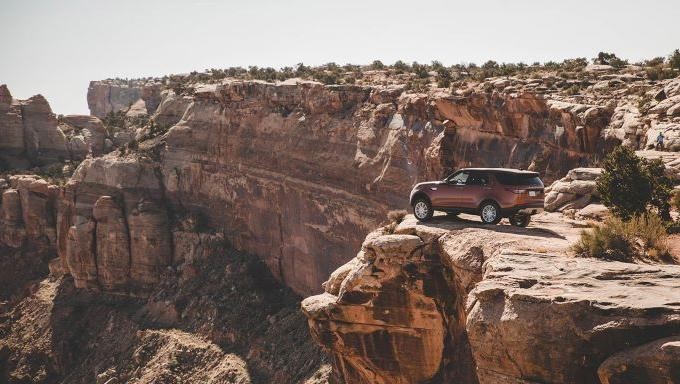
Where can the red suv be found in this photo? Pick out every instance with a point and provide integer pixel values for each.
(492, 193)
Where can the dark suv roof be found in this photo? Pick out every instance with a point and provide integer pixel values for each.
(504, 170)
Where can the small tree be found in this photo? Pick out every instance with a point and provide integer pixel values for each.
(674, 59)
(624, 184)
(444, 77)
(662, 188)
(609, 59)
(377, 64)
(629, 184)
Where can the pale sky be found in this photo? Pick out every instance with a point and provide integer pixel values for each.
(56, 47)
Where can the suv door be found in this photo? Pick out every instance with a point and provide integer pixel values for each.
(452, 190)
(476, 187)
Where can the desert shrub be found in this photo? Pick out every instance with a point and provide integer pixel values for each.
(401, 66)
(628, 184)
(444, 77)
(659, 73)
(675, 200)
(394, 218)
(609, 59)
(642, 237)
(573, 90)
(420, 70)
(377, 64)
(326, 77)
(674, 59)
(661, 188)
(576, 64)
(418, 85)
(114, 121)
(654, 62)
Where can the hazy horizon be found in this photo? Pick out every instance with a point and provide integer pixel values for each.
(55, 49)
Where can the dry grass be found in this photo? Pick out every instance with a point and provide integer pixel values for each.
(643, 238)
(394, 218)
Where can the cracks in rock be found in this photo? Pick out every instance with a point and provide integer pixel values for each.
(280, 261)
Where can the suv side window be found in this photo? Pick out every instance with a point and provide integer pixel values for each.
(459, 179)
(478, 179)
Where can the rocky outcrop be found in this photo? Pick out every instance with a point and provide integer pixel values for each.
(114, 231)
(85, 135)
(656, 362)
(119, 95)
(27, 231)
(453, 302)
(33, 136)
(574, 191)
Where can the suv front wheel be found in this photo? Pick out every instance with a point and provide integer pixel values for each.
(490, 213)
(422, 209)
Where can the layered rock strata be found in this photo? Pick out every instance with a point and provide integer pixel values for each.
(294, 172)
(453, 302)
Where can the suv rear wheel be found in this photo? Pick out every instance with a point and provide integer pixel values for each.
(490, 213)
(422, 209)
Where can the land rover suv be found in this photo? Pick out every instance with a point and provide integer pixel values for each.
(492, 193)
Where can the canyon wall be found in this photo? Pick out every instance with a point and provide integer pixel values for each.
(296, 172)
(459, 302)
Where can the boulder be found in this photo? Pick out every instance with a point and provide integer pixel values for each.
(657, 362)
(663, 106)
(574, 191)
(672, 88)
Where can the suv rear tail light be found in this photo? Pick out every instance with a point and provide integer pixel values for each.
(516, 191)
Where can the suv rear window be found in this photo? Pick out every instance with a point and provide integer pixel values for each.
(519, 179)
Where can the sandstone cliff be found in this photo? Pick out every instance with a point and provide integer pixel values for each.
(294, 172)
(117, 95)
(455, 302)
(34, 136)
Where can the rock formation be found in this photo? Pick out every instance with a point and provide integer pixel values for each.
(27, 231)
(293, 171)
(453, 302)
(574, 191)
(34, 136)
(104, 97)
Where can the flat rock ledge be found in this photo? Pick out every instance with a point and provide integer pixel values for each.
(455, 301)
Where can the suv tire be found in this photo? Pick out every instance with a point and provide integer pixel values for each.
(422, 209)
(520, 220)
(490, 213)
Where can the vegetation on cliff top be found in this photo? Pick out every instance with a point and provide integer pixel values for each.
(420, 76)
(640, 197)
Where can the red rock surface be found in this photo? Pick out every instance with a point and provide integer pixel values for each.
(505, 304)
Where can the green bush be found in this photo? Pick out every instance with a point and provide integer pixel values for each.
(377, 64)
(674, 59)
(420, 70)
(662, 188)
(444, 77)
(675, 201)
(609, 59)
(629, 184)
(643, 237)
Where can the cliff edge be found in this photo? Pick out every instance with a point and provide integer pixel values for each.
(453, 301)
